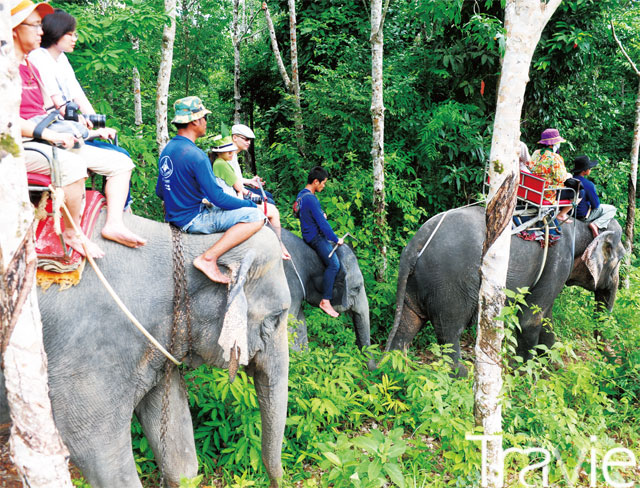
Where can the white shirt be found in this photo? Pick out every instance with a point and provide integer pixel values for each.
(57, 75)
(236, 167)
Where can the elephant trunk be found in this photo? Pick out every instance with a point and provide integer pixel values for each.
(362, 323)
(606, 297)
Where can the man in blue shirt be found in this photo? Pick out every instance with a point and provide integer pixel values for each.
(193, 201)
(596, 214)
(317, 232)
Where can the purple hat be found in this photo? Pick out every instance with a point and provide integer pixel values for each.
(550, 137)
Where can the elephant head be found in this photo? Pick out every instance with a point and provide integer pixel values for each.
(596, 269)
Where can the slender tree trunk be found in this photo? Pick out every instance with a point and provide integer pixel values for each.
(36, 447)
(186, 8)
(377, 122)
(629, 230)
(164, 75)
(237, 98)
(633, 173)
(137, 96)
(295, 78)
(276, 50)
(524, 22)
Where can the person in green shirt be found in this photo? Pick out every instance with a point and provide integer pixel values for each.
(228, 180)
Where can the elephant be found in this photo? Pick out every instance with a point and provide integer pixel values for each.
(442, 285)
(102, 369)
(304, 276)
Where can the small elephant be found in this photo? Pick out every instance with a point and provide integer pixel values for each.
(102, 369)
(304, 275)
(442, 285)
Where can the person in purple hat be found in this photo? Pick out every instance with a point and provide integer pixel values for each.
(548, 164)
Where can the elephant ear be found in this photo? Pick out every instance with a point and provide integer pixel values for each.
(234, 334)
(597, 254)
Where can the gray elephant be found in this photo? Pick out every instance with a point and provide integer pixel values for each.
(101, 369)
(442, 285)
(304, 275)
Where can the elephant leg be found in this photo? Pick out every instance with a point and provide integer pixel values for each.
(179, 455)
(360, 318)
(106, 460)
(410, 324)
(298, 328)
(270, 372)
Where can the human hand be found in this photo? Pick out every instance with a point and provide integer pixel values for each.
(61, 139)
(106, 133)
(341, 241)
(84, 121)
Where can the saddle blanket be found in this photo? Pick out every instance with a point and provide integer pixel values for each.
(53, 263)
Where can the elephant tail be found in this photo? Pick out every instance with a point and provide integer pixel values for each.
(408, 260)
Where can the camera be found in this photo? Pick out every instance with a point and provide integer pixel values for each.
(98, 120)
(71, 112)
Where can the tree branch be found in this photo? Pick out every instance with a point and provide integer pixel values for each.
(253, 16)
(615, 37)
(276, 50)
(385, 9)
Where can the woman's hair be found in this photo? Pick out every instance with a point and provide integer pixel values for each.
(524, 153)
(55, 26)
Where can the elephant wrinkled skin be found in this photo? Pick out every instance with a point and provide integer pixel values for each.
(442, 285)
(101, 368)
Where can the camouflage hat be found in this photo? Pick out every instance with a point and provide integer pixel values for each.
(223, 144)
(188, 109)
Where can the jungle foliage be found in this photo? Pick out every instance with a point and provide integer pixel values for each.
(405, 423)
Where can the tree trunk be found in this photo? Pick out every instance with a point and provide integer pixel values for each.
(137, 97)
(633, 178)
(186, 23)
(524, 22)
(633, 173)
(295, 79)
(276, 50)
(36, 447)
(236, 64)
(377, 122)
(164, 75)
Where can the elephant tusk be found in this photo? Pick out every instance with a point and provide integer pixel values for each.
(115, 297)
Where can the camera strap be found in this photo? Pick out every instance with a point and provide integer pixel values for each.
(44, 123)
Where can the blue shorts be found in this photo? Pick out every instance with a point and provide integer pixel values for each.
(212, 220)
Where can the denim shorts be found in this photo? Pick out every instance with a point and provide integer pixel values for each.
(212, 220)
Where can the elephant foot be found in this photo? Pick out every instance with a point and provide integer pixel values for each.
(459, 370)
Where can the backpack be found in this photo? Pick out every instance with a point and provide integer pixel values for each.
(297, 206)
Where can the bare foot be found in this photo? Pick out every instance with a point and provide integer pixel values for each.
(285, 254)
(565, 219)
(122, 236)
(594, 230)
(325, 306)
(75, 242)
(210, 268)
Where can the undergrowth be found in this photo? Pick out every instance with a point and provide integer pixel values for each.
(405, 424)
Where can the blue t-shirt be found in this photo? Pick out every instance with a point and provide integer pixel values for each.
(185, 177)
(312, 220)
(590, 200)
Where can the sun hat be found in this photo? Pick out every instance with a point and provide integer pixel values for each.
(583, 163)
(188, 109)
(243, 130)
(21, 9)
(223, 144)
(550, 137)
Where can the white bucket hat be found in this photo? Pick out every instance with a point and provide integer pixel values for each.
(242, 130)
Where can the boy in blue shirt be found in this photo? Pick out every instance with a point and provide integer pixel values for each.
(317, 232)
(596, 214)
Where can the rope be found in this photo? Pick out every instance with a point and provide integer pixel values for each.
(41, 213)
(440, 222)
(113, 294)
(304, 292)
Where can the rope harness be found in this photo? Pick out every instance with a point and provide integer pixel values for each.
(181, 320)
